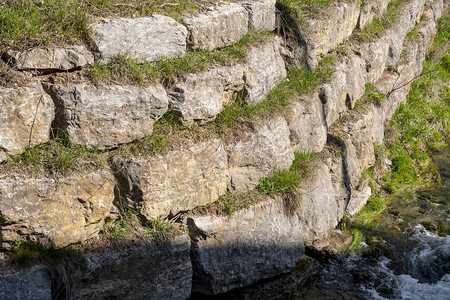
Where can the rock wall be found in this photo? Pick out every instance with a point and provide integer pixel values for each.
(219, 253)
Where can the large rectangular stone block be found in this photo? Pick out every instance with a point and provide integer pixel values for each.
(145, 39)
(54, 212)
(25, 119)
(107, 116)
(177, 181)
(221, 26)
(250, 245)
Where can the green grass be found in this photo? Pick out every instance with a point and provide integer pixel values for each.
(124, 69)
(30, 252)
(159, 230)
(299, 81)
(30, 23)
(297, 10)
(57, 156)
(286, 183)
(378, 26)
(358, 238)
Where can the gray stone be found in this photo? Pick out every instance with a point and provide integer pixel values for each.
(324, 31)
(201, 96)
(54, 212)
(27, 113)
(137, 272)
(67, 58)
(145, 39)
(263, 71)
(359, 151)
(307, 124)
(371, 9)
(375, 55)
(344, 89)
(219, 27)
(265, 149)
(107, 116)
(319, 211)
(31, 284)
(177, 181)
(358, 199)
(438, 8)
(408, 17)
(261, 14)
(250, 245)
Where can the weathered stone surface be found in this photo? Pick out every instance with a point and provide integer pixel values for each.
(250, 245)
(145, 272)
(178, 181)
(27, 113)
(145, 39)
(318, 212)
(324, 31)
(371, 9)
(375, 55)
(407, 18)
(267, 148)
(264, 70)
(359, 151)
(55, 212)
(358, 199)
(438, 8)
(339, 177)
(109, 115)
(33, 284)
(344, 89)
(50, 58)
(261, 14)
(219, 27)
(336, 243)
(307, 124)
(201, 96)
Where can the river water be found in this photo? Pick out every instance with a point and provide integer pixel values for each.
(402, 258)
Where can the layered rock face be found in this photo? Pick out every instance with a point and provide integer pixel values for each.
(220, 252)
(145, 39)
(250, 245)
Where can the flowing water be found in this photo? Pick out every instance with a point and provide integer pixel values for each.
(402, 258)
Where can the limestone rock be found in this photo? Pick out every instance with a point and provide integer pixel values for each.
(27, 112)
(201, 96)
(252, 244)
(33, 284)
(359, 151)
(264, 70)
(178, 181)
(319, 212)
(55, 212)
(375, 55)
(145, 39)
(261, 14)
(267, 148)
(219, 27)
(344, 89)
(371, 9)
(109, 115)
(67, 58)
(358, 199)
(138, 272)
(339, 177)
(408, 17)
(438, 9)
(324, 31)
(336, 243)
(307, 124)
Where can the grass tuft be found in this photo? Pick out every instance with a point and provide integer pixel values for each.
(123, 69)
